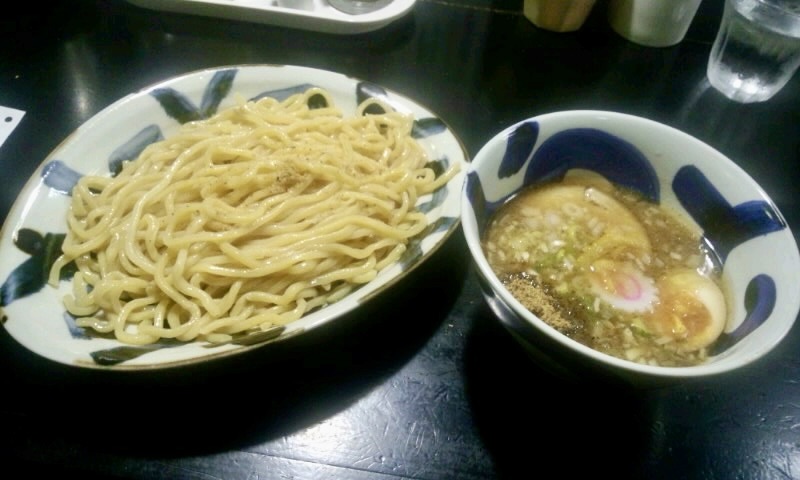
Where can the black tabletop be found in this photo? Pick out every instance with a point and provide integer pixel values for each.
(424, 383)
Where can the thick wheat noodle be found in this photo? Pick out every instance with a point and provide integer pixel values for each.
(245, 220)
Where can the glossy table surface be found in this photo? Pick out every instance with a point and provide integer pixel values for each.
(425, 383)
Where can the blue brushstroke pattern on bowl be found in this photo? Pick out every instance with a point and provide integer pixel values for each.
(544, 148)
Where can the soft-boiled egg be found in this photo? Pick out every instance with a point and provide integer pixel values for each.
(691, 309)
(682, 306)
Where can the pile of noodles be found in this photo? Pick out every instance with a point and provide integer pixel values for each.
(243, 221)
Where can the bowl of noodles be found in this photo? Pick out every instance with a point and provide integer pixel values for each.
(614, 244)
(223, 210)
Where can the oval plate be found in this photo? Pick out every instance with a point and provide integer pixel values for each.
(33, 313)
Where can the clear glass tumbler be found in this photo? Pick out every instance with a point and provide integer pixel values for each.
(757, 49)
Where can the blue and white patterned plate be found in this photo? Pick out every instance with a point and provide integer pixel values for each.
(32, 310)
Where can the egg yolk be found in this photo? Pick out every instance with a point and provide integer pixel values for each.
(691, 309)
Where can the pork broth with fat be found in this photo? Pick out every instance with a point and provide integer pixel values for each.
(610, 269)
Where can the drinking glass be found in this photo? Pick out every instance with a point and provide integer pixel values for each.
(757, 49)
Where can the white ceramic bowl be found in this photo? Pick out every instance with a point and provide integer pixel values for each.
(737, 217)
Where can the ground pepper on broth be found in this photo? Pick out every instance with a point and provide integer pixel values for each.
(612, 270)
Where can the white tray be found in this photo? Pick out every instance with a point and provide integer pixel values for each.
(304, 14)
